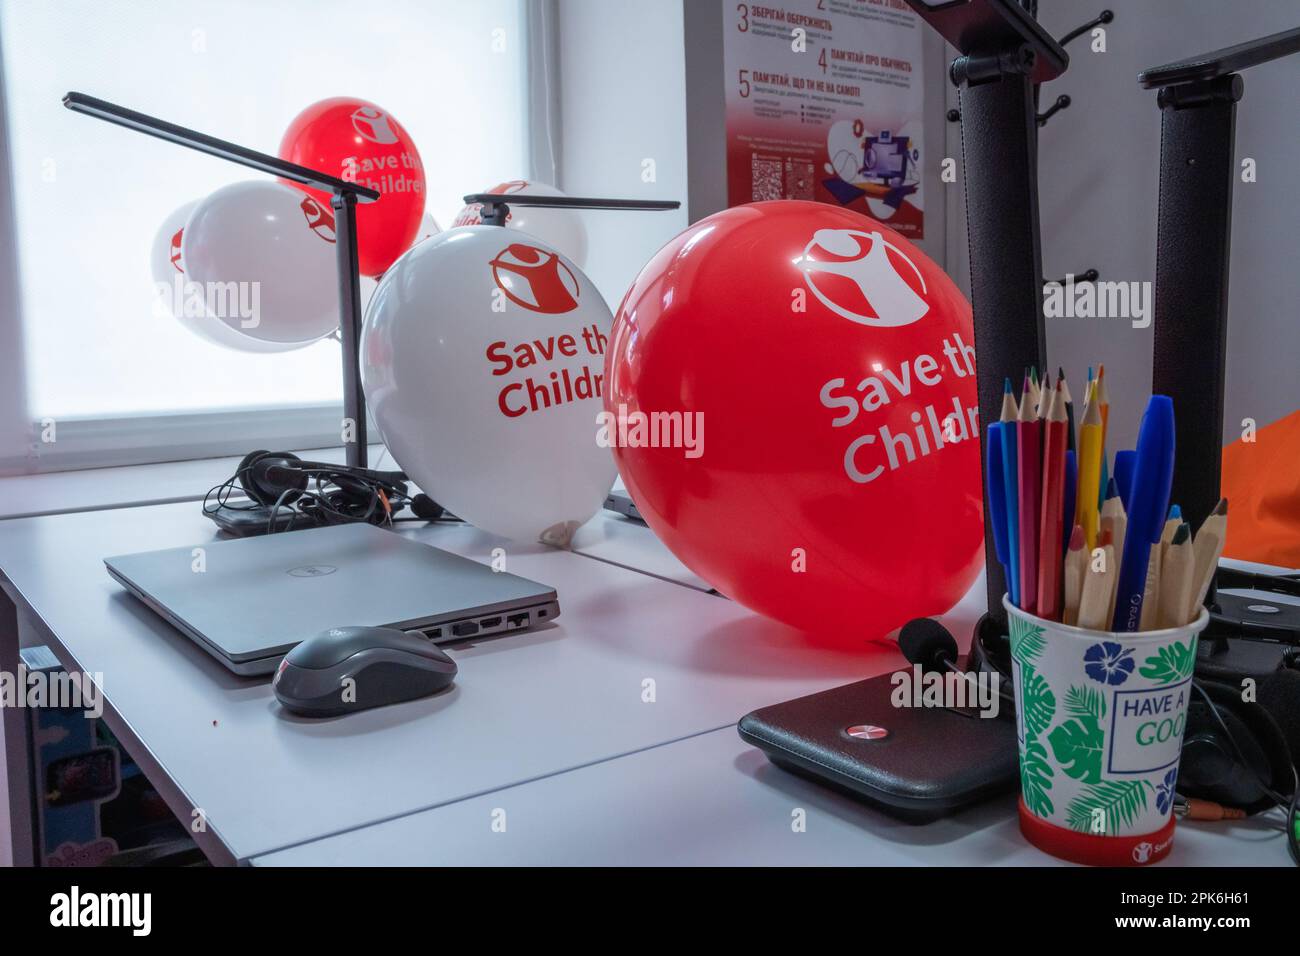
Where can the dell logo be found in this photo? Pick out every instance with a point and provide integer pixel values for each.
(312, 570)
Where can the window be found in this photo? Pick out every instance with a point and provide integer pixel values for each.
(97, 357)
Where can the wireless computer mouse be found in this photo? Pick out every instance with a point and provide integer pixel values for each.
(354, 668)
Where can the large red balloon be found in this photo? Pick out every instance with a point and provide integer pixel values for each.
(831, 364)
(360, 142)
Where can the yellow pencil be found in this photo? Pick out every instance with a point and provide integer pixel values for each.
(1089, 491)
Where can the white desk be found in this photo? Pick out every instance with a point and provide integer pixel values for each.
(524, 707)
(712, 800)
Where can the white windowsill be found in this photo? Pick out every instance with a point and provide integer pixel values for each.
(128, 486)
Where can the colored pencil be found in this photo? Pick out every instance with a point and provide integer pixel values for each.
(1069, 402)
(1009, 476)
(1052, 512)
(995, 484)
(1029, 464)
(1071, 485)
(1087, 492)
(1177, 567)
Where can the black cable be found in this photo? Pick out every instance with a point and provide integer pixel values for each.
(1290, 804)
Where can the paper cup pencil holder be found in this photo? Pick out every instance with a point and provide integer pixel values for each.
(1099, 722)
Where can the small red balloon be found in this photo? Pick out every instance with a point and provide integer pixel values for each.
(824, 465)
(360, 142)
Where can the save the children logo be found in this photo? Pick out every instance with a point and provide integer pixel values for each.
(319, 219)
(536, 279)
(174, 252)
(862, 277)
(373, 124)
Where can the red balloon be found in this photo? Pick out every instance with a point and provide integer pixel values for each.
(826, 367)
(360, 142)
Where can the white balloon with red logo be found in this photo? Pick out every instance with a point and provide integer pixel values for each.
(483, 363)
(266, 252)
(563, 229)
(185, 301)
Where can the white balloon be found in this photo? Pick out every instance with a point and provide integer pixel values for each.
(185, 301)
(562, 229)
(428, 228)
(265, 253)
(483, 363)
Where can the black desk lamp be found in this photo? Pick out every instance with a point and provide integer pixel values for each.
(344, 199)
(345, 196)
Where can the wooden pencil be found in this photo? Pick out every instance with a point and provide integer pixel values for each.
(1207, 548)
(1177, 566)
(1113, 521)
(1076, 569)
(1097, 585)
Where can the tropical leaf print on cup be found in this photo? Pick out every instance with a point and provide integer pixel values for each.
(1027, 641)
(1039, 702)
(1108, 662)
(1172, 663)
(1036, 778)
(1113, 803)
(1078, 743)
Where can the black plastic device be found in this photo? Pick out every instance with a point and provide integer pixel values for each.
(914, 763)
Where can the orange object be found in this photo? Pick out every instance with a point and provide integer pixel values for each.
(1262, 480)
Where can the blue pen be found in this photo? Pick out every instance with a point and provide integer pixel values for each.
(1124, 462)
(996, 485)
(1009, 474)
(1153, 475)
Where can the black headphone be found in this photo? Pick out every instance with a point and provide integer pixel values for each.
(313, 493)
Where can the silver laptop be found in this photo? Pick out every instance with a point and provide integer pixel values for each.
(249, 601)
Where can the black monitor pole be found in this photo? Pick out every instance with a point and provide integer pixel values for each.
(1198, 115)
(345, 195)
(1004, 53)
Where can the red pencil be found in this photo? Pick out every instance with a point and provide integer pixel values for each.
(1029, 467)
(1056, 441)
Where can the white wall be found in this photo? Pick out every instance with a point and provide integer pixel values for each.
(1098, 179)
(622, 101)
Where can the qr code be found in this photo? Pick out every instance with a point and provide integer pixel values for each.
(766, 175)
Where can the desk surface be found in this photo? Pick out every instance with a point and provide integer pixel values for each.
(711, 800)
(525, 707)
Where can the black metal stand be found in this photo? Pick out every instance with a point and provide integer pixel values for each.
(1004, 54)
(1198, 109)
(345, 197)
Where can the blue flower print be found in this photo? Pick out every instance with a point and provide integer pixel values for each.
(1108, 663)
(1165, 792)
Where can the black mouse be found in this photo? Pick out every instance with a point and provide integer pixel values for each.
(346, 669)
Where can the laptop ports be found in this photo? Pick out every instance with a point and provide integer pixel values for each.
(490, 622)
